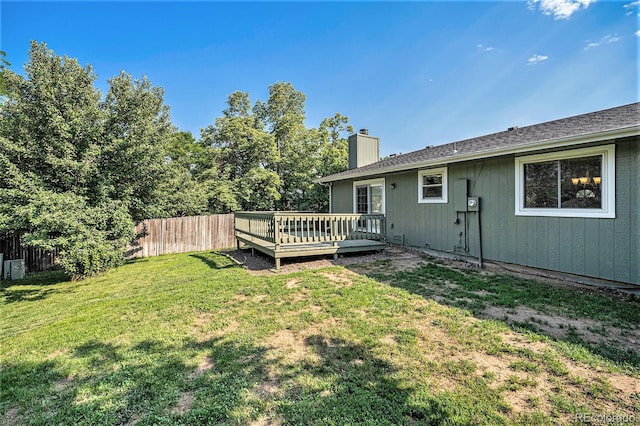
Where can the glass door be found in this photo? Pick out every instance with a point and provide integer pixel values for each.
(369, 200)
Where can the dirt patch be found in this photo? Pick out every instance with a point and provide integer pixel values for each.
(559, 327)
(315, 308)
(55, 354)
(287, 347)
(135, 419)
(202, 320)
(524, 390)
(260, 264)
(483, 293)
(229, 328)
(263, 421)
(266, 389)
(292, 284)
(341, 280)
(200, 326)
(62, 384)
(298, 298)
(389, 340)
(516, 341)
(206, 364)
(184, 403)
(12, 417)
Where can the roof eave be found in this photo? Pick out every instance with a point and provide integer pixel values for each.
(532, 146)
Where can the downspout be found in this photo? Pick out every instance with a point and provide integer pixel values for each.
(479, 239)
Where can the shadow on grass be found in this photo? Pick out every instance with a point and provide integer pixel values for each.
(215, 260)
(482, 294)
(145, 383)
(234, 382)
(350, 385)
(35, 286)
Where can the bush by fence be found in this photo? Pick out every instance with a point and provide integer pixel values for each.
(154, 237)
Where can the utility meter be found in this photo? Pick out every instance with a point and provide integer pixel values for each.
(473, 204)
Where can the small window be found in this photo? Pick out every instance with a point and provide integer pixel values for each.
(432, 186)
(576, 183)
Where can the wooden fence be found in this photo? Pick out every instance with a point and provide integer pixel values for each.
(182, 234)
(155, 237)
(35, 259)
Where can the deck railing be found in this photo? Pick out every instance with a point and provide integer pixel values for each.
(297, 227)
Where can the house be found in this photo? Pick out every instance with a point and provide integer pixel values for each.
(562, 195)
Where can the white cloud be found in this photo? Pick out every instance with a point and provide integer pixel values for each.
(608, 39)
(560, 9)
(631, 6)
(637, 33)
(484, 48)
(536, 59)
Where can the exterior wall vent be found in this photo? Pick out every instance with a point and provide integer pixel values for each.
(397, 239)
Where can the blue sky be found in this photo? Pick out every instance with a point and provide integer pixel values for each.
(415, 74)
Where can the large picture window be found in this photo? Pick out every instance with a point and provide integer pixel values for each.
(432, 185)
(576, 183)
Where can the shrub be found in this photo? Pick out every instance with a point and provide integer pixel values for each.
(91, 239)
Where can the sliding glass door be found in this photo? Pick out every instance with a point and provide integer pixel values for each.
(368, 199)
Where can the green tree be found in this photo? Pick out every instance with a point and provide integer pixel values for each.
(264, 157)
(242, 158)
(3, 65)
(184, 150)
(333, 157)
(54, 118)
(75, 172)
(136, 137)
(284, 114)
(180, 193)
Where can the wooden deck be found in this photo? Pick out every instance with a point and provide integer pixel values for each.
(293, 234)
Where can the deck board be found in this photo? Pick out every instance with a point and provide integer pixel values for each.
(311, 248)
(299, 234)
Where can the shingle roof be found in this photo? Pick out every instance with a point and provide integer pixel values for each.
(622, 117)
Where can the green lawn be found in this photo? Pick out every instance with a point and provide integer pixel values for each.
(195, 339)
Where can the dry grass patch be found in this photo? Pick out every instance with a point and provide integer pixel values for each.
(339, 279)
(559, 327)
(184, 403)
(287, 348)
(12, 417)
(293, 283)
(203, 366)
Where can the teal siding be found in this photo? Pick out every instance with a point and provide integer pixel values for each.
(602, 248)
(634, 208)
(342, 197)
(363, 150)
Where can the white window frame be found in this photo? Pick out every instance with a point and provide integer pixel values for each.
(445, 192)
(369, 182)
(608, 210)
